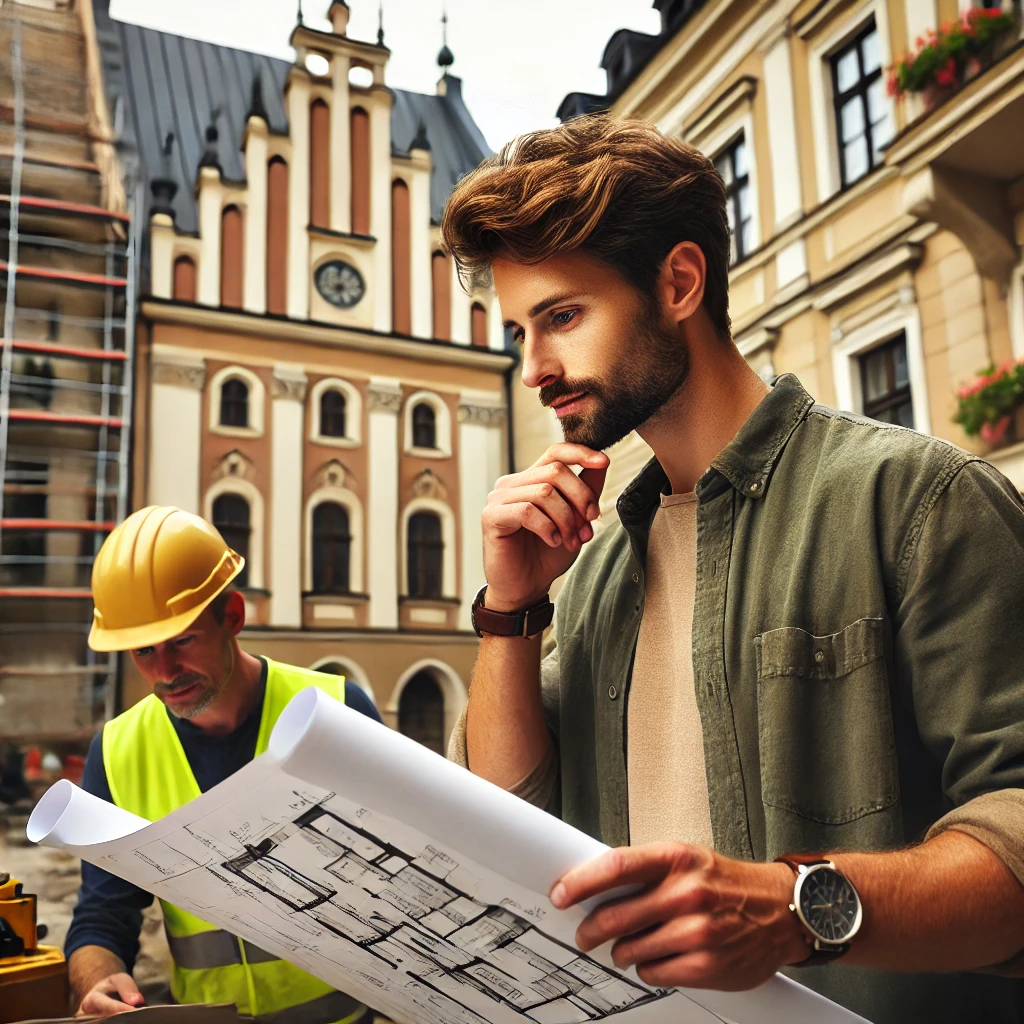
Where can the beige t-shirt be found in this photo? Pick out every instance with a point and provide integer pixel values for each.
(668, 788)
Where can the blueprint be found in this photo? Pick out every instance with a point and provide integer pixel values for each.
(396, 877)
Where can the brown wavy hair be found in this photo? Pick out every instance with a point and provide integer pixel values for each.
(619, 191)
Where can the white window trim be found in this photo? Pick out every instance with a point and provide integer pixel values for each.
(449, 589)
(353, 413)
(720, 141)
(443, 424)
(826, 145)
(453, 692)
(1016, 311)
(341, 496)
(353, 673)
(244, 489)
(257, 402)
(846, 365)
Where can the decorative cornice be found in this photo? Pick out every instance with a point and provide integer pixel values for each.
(384, 397)
(482, 415)
(178, 371)
(289, 382)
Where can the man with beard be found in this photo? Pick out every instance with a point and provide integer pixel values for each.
(161, 587)
(787, 685)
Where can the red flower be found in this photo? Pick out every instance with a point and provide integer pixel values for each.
(947, 76)
(995, 432)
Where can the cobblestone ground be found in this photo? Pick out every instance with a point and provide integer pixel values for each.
(54, 877)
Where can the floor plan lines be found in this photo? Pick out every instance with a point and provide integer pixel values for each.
(462, 960)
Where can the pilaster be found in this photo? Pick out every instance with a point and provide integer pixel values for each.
(175, 428)
(384, 399)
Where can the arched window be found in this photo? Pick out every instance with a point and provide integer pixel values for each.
(332, 548)
(332, 414)
(421, 712)
(231, 517)
(320, 165)
(424, 426)
(442, 289)
(360, 141)
(234, 403)
(231, 255)
(184, 288)
(277, 237)
(478, 325)
(425, 555)
(401, 259)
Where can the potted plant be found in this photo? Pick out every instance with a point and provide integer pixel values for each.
(992, 405)
(942, 60)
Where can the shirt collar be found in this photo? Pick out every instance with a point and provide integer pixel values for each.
(746, 462)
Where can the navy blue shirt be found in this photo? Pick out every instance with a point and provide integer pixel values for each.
(109, 909)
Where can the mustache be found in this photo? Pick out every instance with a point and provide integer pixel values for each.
(182, 682)
(551, 393)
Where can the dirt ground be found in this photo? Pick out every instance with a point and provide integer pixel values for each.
(54, 877)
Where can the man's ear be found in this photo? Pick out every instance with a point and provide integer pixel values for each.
(234, 613)
(681, 281)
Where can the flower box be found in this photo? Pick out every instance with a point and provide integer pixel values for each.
(992, 406)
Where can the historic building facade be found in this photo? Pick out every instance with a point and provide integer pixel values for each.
(312, 377)
(877, 244)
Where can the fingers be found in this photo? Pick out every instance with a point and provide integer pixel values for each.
(521, 515)
(113, 995)
(98, 1002)
(573, 531)
(677, 897)
(126, 989)
(686, 934)
(558, 476)
(627, 865)
(574, 455)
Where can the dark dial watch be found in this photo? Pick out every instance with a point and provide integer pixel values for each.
(827, 905)
(524, 623)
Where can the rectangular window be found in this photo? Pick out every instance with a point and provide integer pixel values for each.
(885, 383)
(862, 111)
(733, 164)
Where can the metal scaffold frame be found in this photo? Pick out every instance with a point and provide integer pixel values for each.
(106, 430)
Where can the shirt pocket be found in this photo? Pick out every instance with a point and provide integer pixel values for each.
(825, 723)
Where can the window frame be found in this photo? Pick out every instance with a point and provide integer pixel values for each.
(426, 593)
(257, 402)
(353, 505)
(353, 413)
(442, 422)
(242, 579)
(449, 582)
(732, 191)
(894, 397)
(246, 489)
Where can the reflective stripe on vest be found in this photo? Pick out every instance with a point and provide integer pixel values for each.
(149, 775)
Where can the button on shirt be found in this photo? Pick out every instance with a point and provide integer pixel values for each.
(109, 909)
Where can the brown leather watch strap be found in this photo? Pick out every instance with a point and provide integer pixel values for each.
(798, 860)
(818, 952)
(525, 622)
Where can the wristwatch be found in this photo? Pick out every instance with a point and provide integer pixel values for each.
(524, 623)
(826, 904)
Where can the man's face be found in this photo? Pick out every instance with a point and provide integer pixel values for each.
(190, 671)
(595, 347)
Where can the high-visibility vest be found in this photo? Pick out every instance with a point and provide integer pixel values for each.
(150, 776)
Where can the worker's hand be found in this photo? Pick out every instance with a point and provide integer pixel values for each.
(700, 920)
(536, 522)
(113, 994)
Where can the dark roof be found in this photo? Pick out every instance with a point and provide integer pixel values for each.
(626, 54)
(159, 83)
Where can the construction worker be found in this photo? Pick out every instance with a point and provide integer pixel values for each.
(161, 588)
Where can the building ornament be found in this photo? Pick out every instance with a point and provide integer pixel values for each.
(384, 398)
(235, 466)
(428, 484)
(179, 372)
(333, 474)
(289, 383)
(482, 415)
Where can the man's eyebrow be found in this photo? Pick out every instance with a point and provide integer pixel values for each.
(540, 307)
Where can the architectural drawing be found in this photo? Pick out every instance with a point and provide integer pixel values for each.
(404, 911)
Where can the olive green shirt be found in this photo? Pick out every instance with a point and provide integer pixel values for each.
(857, 657)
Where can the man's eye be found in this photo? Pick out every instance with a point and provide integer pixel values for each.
(564, 318)
(519, 335)
(143, 652)
(183, 641)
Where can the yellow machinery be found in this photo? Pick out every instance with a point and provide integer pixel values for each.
(33, 978)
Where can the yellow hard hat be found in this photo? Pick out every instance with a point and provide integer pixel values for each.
(154, 575)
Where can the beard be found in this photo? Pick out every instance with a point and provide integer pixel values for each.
(205, 695)
(650, 373)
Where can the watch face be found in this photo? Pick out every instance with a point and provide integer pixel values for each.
(340, 283)
(828, 904)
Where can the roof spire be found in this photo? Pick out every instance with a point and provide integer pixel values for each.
(445, 57)
(211, 156)
(300, 13)
(380, 24)
(257, 105)
(163, 187)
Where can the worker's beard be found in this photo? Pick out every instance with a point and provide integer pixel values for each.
(208, 689)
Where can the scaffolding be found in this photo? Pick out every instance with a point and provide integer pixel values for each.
(66, 375)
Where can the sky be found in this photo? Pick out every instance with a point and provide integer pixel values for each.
(517, 58)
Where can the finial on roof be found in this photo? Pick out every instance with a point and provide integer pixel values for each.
(445, 57)
(300, 13)
(211, 156)
(421, 141)
(163, 187)
(380, 24)
(257, 105)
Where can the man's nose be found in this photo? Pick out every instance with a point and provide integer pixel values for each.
(168, 665)
(540, 366)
